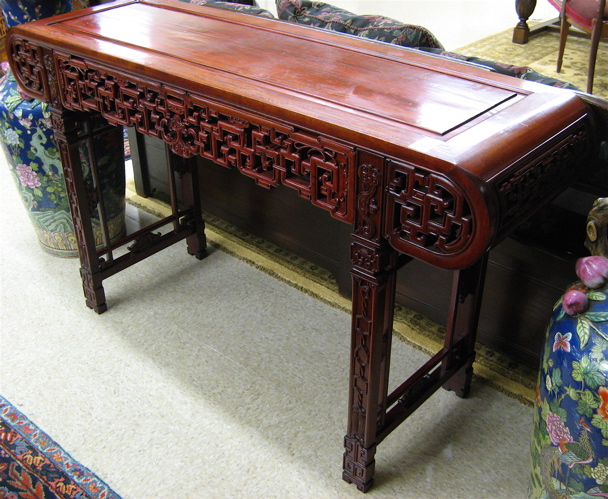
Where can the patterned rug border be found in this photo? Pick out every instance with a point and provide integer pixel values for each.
(498, 371)
(26, 444)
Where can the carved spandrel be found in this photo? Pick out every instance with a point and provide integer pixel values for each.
(144, 242)
(426, 211)
(271, 153)
(30, 68)
(370, 196)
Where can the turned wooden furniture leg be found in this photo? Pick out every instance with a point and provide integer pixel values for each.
(563, 37)
(461, 330)
(374, 273)
(71, 129)
(524, 8)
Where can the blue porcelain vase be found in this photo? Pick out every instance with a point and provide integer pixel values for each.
(25, 11)
(28, 142)
(570, 438)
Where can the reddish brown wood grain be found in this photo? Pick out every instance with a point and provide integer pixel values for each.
(454, 119)
(330, 82)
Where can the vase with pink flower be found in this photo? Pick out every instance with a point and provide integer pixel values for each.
(570, 438)
(28, 143)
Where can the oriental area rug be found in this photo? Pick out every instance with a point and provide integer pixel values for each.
(540, 54)
(33, 466)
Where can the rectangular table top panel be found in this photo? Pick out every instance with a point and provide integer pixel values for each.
(361, 82)
(391, 100)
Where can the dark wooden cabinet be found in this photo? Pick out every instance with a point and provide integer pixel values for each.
(527, 272)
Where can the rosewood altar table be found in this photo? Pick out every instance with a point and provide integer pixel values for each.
(427, 158)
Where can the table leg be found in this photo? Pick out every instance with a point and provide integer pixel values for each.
(187, 169)
(71, 128)
(461, 330)
(521, 32)
(374, 273)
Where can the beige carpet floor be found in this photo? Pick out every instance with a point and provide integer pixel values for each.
(491, 367)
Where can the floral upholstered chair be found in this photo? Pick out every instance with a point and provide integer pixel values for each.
(589, 16)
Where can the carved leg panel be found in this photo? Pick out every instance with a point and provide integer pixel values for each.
(462, 324)
(70, 129)
(359, 464)
(372, 323)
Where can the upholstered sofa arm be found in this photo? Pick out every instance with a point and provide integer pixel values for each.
(324, 15)
(384, 29)
(246, 6)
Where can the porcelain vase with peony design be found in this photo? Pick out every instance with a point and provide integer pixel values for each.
(28, 142)
(25, 11)
(570, 438)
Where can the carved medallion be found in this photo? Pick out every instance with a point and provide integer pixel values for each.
(426, 211)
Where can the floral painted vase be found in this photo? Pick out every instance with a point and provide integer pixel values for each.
(27, 140)
(25, 11)
(570, 438)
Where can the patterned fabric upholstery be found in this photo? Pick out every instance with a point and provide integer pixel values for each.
(384, 29)
(247, 6)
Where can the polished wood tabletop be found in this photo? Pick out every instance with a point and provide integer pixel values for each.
(427, 158)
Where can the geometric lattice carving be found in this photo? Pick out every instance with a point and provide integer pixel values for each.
(426, 210)
(362, 330)
(354, 455)
(270, 152)
(28, 59)
(523, 189)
